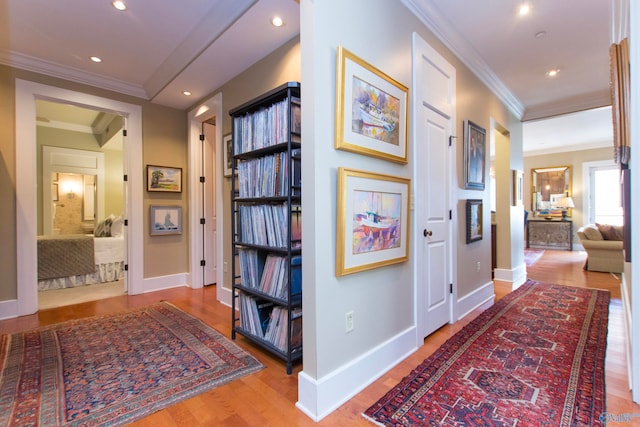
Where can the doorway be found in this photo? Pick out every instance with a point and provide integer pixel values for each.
(26, 182)
(80, 178)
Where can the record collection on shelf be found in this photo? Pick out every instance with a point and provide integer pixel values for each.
(266, 222)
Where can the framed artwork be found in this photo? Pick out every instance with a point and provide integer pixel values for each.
(371, 110)
(372, 221)
(227, 147)
(474, 156)
(163, 178)
(165, 220)
(474, 220)
(517, 192)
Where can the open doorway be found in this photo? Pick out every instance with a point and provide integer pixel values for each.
(80, 204)
(26, 182)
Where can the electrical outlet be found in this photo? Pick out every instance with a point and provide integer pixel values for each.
(225, 267)
(349, 321)
(478, 266)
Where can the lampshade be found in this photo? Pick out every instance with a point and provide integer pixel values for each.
(565, 202)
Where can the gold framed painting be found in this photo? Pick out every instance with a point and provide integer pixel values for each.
(372, 221)
(371, 110)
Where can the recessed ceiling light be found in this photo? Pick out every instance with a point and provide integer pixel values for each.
(96, 59)
(186, 93)
(277, 21)
(119, 4)
(553, 73)
(524, 9)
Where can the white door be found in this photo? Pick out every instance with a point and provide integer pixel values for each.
(434, 110)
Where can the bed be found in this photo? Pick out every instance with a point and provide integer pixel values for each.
(66, 261)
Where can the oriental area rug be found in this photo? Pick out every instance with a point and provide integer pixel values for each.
(111, 370)
(535, 358)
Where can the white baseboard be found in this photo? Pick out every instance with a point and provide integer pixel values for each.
(475, 299)
(8, 309)
(159, 283)
(627, 321)
(516, 276)
(317, 398)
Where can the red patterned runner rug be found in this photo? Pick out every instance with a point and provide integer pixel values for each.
(535, 358)
(111, 370)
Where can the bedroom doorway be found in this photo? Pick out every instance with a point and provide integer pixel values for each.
(80, 153)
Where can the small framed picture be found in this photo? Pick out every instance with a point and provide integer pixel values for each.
(163, 178)
(474, 156)
(372, 222)
(517, 187)
(371, 110)
(165, 220)
(474, 220)
(227, 147)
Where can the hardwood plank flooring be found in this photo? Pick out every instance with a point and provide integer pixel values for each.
(267, 398)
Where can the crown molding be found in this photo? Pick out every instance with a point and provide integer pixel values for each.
(443, 30)
(572, 105)
(36, 65)
(569, 148)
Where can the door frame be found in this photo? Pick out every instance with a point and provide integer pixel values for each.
(26, 93)
(204, 111)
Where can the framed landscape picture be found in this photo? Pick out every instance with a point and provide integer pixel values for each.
(163, 178)
(372, 221)
(371, 110)
(474, 156)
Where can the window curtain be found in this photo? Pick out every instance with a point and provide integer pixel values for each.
(619, 64)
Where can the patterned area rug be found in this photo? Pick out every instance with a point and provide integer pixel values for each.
(112, 370)
(531, 256)
(535, 358)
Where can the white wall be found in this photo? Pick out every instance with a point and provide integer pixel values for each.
(336, 363)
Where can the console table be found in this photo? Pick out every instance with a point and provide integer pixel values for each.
(550, 234)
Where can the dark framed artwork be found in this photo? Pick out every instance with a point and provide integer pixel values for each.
(474, 220)
(474, 155)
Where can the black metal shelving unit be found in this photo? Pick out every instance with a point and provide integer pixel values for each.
(266, 184)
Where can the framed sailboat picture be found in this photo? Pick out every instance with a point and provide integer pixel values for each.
(371, 110)
(372, 221)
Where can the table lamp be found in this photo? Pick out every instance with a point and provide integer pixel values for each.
(565, 203)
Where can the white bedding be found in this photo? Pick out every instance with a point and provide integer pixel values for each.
(108, 249)
(109, 260)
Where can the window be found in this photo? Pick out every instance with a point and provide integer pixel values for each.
(605, 194)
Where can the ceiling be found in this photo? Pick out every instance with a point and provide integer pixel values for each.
(157, 49)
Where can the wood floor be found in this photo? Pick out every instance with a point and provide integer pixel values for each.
(267, 398)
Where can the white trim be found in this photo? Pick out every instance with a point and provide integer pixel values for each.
(211, 107)
(516, 276)
(444, 31)
(8, 309)
(48, 68)
(586, 185)
(26, 184)
(318, 398)
(627, 321)
(634, 54)
(160, 283)
(475, 299)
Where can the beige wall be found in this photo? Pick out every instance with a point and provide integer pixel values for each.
(164, 135)
(281, 66)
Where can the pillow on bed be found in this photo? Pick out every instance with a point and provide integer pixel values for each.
(116, 227)
(103, 229)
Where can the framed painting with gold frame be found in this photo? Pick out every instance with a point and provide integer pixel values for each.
(372, 221)
(371, 110)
